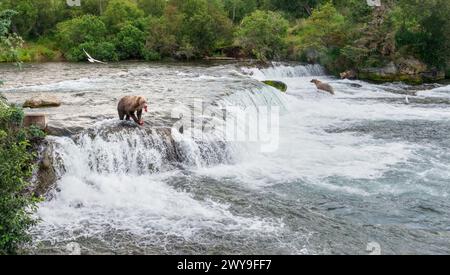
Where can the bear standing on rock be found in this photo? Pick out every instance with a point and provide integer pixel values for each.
(129, 105)
(323, 86)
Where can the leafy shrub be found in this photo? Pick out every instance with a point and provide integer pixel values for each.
(263, 34)
(88, 28)
(16, 205)
(119, 12)
(105, 51)
(130, 42)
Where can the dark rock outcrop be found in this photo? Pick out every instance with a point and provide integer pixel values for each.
(45, 176)
(408, 70)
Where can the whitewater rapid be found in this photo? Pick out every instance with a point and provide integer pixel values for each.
(349, 169)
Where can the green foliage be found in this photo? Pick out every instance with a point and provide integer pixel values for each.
(263, 34)
(152, 7)
(9, 43)
(74, 32)
(238, 9)
(294, 8)
(105, 51)
(16, 205)
(322, 31)
(337, 33)
(130, 42)
(119, 12)
(189, 29)
(425, 30)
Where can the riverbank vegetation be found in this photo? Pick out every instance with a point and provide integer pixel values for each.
(17, 157)
(17, 204)
(339, 34)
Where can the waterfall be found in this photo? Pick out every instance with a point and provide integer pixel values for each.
(121, 148)
(278, 71)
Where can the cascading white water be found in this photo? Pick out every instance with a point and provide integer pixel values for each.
(278, 71)
(119, 175)
(363, 156)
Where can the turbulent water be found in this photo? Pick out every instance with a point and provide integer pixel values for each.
(343, 174)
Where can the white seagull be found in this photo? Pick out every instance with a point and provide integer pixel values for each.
(407, 100)
(92, 60)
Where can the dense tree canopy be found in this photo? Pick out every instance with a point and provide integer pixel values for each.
(337, 33)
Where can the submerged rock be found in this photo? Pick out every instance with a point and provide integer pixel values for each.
(276, 84)
(42, 102)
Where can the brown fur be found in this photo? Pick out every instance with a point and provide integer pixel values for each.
(350, 74)
(323, 86)
(129, 105)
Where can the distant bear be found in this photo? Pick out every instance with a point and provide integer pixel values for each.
(323, 86)
(348, 75)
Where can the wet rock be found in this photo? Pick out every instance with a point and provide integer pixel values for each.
(433, 76)
(61, 131)
(45, 175)
(276, 84)
(42, 102)
(410, 66)
(38, 119)
(407, 70)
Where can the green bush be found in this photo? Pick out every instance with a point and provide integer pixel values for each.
(120, 12)
(130, 42)
(104, 51)
(263, 34)
(85, 29)
(16, 205)
(150, 55)
(152, 7)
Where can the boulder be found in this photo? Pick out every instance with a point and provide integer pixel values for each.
(39, 120)
(276, 84)
(42, 102)
(408, 70)
(389, 73)
(45, 175)
(410, 66)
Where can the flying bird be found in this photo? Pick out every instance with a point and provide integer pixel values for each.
(92, 60)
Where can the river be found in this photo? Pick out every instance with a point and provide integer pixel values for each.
(343, 174)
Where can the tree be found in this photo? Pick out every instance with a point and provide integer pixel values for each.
(188, 29)
(320, 37)
(152, 7)
(130, 42)
(425, 30)
(119, 12)
(74, 32)
(238, 9)
(263, 34)
(9, 43)
(295, 8)
(16, 206)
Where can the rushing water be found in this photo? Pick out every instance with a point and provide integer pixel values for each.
(348, 170)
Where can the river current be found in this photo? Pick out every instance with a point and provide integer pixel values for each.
(346, 174)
